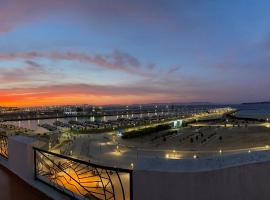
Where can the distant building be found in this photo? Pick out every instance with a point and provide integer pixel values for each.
(177, 123)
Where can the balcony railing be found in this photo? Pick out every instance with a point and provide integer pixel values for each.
(4, 146)
(80, 179)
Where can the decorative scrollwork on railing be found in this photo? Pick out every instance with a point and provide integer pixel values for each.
(4, 146)
(82, 180)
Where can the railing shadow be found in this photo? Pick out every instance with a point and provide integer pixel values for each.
(4, 146)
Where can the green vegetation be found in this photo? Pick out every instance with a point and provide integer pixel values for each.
(91, 131)
(145, 131)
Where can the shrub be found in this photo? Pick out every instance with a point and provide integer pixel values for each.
(145, 131)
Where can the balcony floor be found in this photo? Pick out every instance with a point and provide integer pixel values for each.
(13, 188)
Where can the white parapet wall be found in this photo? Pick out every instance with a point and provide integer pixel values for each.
(243, 176)
(236, 177)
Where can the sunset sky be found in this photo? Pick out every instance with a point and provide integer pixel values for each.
(133, 51)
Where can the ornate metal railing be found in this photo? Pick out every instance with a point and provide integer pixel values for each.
(80, 179)
(4, 146)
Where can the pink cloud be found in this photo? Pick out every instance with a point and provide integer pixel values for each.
(31, 71)
(118, 61)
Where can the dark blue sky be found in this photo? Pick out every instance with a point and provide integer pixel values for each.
(123, 51)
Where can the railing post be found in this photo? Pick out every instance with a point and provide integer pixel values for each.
(131, 185)
(35, 164)
(21, 159)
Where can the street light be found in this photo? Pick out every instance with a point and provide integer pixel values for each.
(174, 155)
(117, 148)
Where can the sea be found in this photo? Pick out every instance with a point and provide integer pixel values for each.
(257, 111)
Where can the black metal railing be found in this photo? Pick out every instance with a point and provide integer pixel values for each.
(4, 146)
(80, 179)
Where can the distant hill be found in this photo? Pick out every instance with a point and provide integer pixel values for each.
(198, 103)
(263, 102)
(185, 103)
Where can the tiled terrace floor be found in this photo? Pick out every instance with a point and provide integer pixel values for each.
(13, 188)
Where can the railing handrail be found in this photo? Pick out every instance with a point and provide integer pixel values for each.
(85, 162)
(4, 136)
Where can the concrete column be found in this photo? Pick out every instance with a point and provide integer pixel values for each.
(21, 156)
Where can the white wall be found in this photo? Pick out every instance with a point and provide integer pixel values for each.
(238, 177)
(21, 156)
(246, 182)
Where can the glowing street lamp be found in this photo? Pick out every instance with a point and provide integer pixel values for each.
(174, 155)
(117, 148)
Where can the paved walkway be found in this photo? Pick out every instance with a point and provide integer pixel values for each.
(13, 188)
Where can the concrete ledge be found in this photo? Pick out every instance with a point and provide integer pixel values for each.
(202, 164)
(235, 177)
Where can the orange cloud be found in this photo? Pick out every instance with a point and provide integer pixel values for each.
(82, 94)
